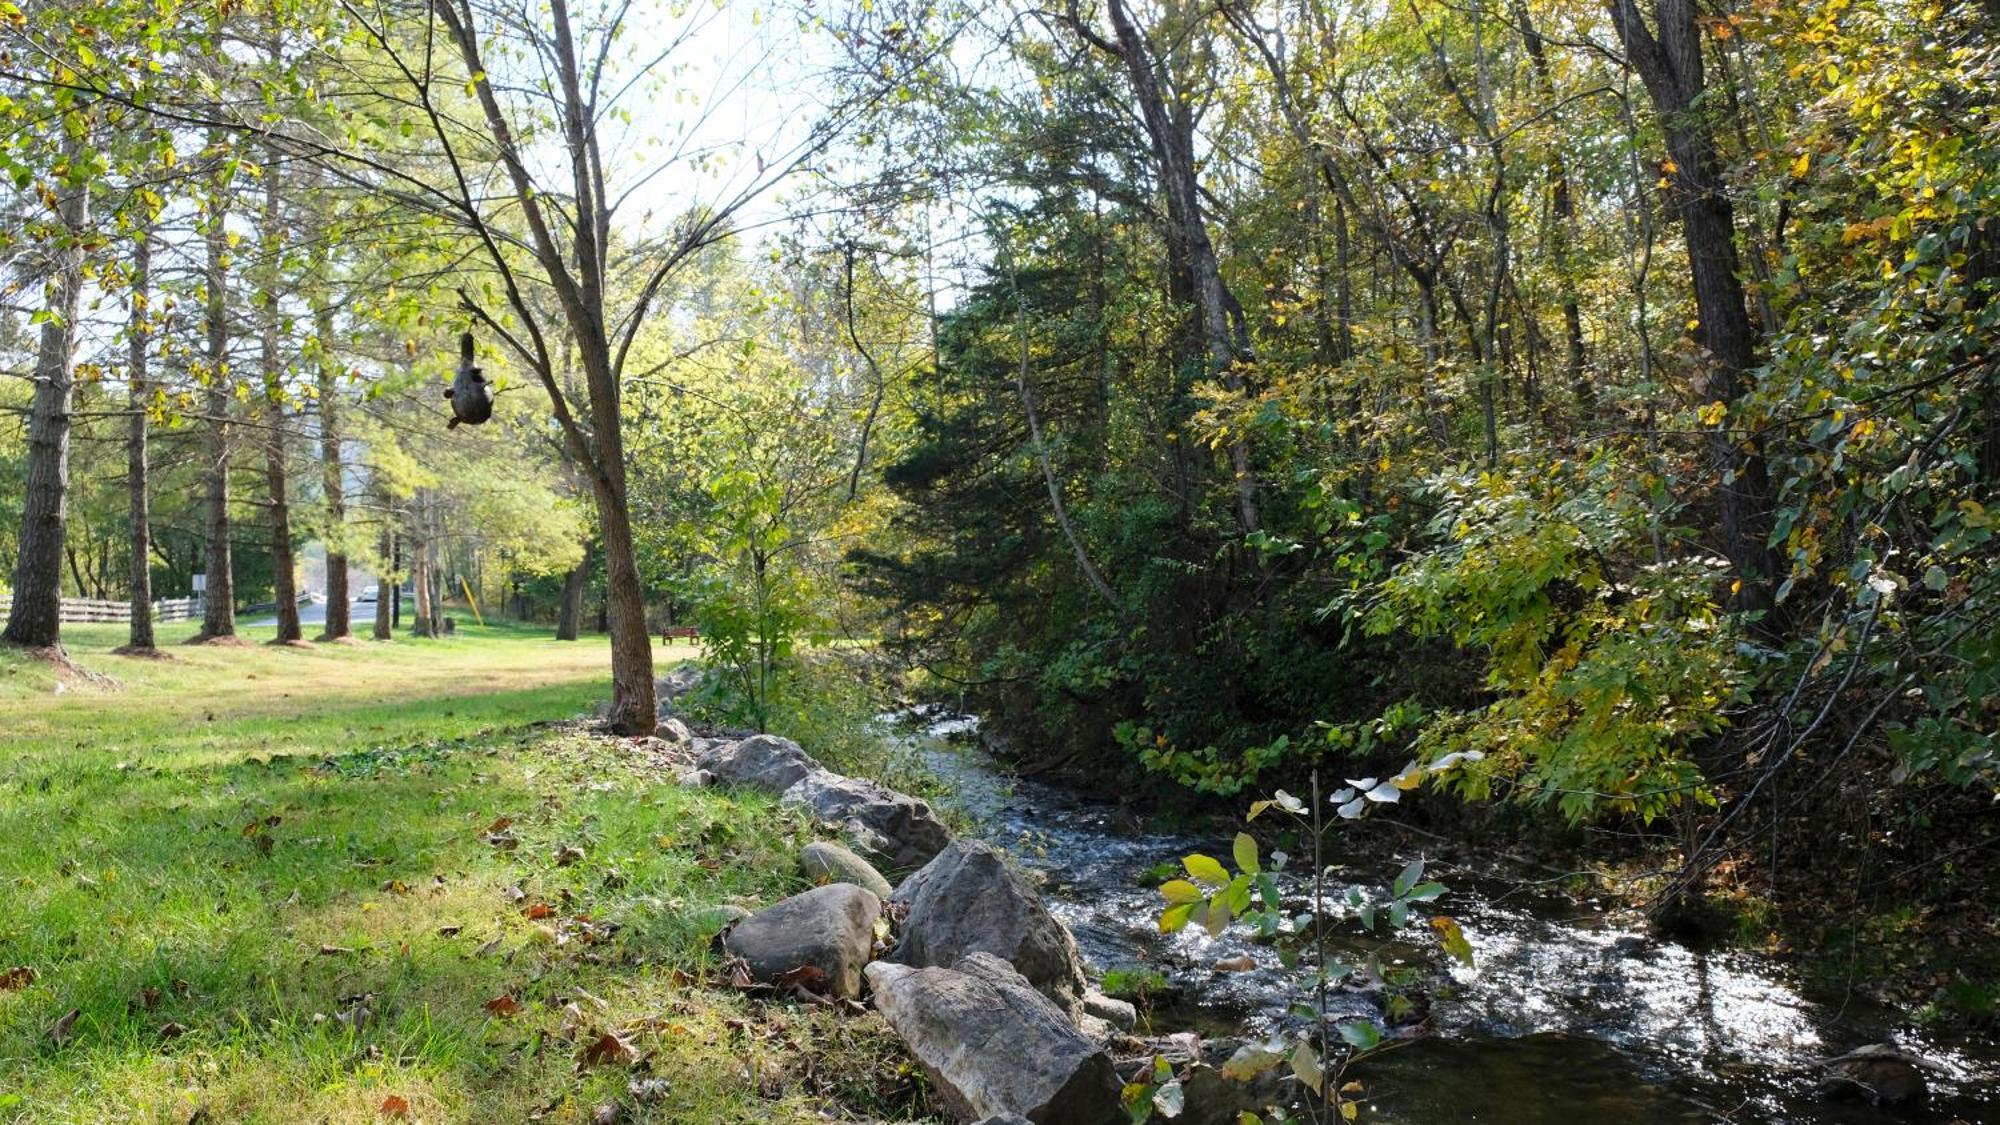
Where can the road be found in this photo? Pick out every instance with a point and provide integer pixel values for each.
(362, 613)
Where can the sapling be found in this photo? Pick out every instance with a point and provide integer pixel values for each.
(1213, 897)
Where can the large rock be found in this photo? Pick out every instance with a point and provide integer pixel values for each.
(1878, 1074)
(761, 761)
(968, 900)
(897, 831)
(824, 861)
(994, 1046)
(830, 929)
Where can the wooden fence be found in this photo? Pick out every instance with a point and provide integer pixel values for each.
(83, 611)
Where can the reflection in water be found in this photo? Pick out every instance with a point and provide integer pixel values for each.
(1564, 1019)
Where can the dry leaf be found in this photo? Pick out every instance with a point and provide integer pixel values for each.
(568, 854)
(504, 1006)
(1242, 964)
(61, 1031)
(172, 1030)
(334, 950)
(536, 911)
(395, 1105)
(608, 1049)
(449, 931)
(500, 825)
(17, 978)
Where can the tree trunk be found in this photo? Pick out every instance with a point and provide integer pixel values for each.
(1563, 217)
(1670, 67)
(384, 624)
(36, 617)
(570, 617)
(219, 608)
(1173, 148)
(140, 636)
(420, 574)
(332, 479)
(283, 566)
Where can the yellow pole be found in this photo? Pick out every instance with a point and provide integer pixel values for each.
(471, 601)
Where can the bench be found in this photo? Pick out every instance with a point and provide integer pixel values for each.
(673, 633)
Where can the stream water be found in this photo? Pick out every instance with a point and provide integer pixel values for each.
(1566, 1017)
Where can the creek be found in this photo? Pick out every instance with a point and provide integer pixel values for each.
(1567, 1017)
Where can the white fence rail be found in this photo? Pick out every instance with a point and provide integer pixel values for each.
(84, 611)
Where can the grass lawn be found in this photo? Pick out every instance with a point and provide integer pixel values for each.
(261, 880)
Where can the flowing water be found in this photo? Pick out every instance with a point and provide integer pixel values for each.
(1566, 1017)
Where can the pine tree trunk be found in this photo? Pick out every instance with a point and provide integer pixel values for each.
(383, 584)
(283, 566)
(339, 622)
(35, 619)
(138, 392)
(219, 608)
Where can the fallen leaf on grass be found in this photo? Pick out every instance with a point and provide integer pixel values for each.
(172, 1030)
(61, 1031)
(805, 978)
(504, 1006)
(536, 911)
(449, 931)
(334, 951)
(396, 887)
(610, 1113)
(505, 841)
(608, 1049)
(17, 978)
(395, 1105)
(568, 854)
(514, 893)
(149, 997)
(500, 824)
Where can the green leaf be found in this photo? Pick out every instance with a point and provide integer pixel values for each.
(1408, 878)
(1175, 919)
(1178, 891)
(1206, 870)
(1170, 1100)
(1424, 892)
(1253, 1059)
(1245, 853)
(1305, 1064)
(1218, 916)
(1359, 1034)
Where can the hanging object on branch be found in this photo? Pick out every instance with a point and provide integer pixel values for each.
(470, 395)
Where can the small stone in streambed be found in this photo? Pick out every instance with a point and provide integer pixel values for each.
(1117, 1013)
(829, 862)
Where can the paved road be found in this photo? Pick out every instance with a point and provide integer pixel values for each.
(361, 613)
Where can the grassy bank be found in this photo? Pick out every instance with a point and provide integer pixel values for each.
(262, 880)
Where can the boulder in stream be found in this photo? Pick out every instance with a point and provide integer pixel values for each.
(968, 900)
(994, 1046)
(825, 861)
(1878, 1074)
(826, 933)
(890, 828)
(762, 761)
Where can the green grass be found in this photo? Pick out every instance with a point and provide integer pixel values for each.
(260, 877)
